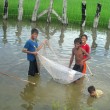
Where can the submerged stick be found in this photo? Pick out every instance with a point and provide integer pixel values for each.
(89, 70)
(15, 77)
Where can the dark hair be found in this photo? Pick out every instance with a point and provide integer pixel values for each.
(91, 89)
(77, 40)
(34, 30)
(84, 35)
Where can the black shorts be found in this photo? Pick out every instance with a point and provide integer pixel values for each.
(78, 68)
(33, 68)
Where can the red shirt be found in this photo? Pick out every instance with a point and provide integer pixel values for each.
(86, 48)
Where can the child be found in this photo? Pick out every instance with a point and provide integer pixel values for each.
(31, 47)
(86, 47)
(94, 93)
(79, 53)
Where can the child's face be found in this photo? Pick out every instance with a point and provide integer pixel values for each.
(34, 35)
(83, 39)
(93, 94)
(77, 45)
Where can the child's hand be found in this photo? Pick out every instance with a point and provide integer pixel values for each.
(35, 53)
(45, 41)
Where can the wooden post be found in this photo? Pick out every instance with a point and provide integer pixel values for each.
(5, 15)
(64, 13)
(97, 16)
(83, 13)
(56, 14)
(42, 13)
(34, 15)
(50, 11)
(20, 10)
(109, 24)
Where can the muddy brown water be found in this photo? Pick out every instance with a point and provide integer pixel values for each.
(47, 94)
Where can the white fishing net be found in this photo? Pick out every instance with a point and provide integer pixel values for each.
(59, 73)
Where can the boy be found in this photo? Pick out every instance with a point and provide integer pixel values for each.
(94, 93)
(86, 47)
(31, 47)
(79, 53)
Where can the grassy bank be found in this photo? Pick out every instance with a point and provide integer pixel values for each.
(73, 10)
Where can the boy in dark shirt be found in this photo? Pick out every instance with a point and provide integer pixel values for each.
(31, 47)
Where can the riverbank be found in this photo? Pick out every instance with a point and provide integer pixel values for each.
(73, 10)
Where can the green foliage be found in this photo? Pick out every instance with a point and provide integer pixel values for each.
(73, 10)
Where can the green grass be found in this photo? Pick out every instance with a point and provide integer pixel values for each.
(73, 10)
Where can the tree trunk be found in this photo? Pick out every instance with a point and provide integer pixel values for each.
(50, 11)
(34, 15)
(97, 16)
(20, 10)
(5, 14)
(64, 13)
(83, 13)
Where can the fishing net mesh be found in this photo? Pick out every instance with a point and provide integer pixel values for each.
(58, 72)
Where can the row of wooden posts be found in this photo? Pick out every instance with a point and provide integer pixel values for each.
(63, 19)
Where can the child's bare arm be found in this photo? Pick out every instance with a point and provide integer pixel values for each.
(26, 51)
(88, 56)
(44, 42)
(71, 59)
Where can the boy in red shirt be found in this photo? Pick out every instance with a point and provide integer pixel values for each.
(86, 47)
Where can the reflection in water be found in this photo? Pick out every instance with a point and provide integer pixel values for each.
(33, 25)
(4, 31)
(37, 97)
(18, 32)
(90, 101)
(29, 93)
(107, 43)
(74, 95)
(63, 28)
(94, 36)
(81, 31)
(47, 31)
(107, 40)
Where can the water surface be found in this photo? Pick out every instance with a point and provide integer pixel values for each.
(47, 94)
